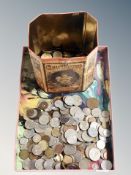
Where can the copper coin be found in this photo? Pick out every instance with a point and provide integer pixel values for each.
(45, 137)
(24, 154)
(58, 148)
(92, 103)
(43, 105)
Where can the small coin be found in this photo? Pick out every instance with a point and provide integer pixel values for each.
(94, 166)
(54, 122)
(74, 109)
(49, 153)
(37, 150)
(70, 132)
(94, 154)
(29, 124)
(49, 164)
(59, 104)
(45, 137)
(69, 149)
(58, 148)
(56, 114)
(92, 132)
(106, 165)
(88, 148)
(24, 154)
(92, 103)
(86, 138)
(39, 164)
(46, 55)
(23, 141)
(44, 118)
(36, 138)
(84, 163)
(87, 111)
(101, 144)
(43, 105)
(96, 112)
(91, 119)
(84, 125)
(53, 141)
(56, 132)
(43, 144)
(77, 156)
(32, 156)
(69, 100)
(57, 54)
(67, 159)
(31, 113)
(39, 128)
(77, 100)
(26, 164)
(29, 133)
(94, 125)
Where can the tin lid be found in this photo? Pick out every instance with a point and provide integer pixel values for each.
(72, 32)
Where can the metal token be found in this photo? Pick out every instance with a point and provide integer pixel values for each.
(49, 164)
(36, 138)
(79, 115)
(94, 125)
(106, 165)
(77, 100)
(92, 103)
(43, 144)
(54, 122)
(87, 111)
(53, 141)
(39, 164)
(57, 54)
(59, 104)
(43, 105)
(84, 125)
(94, 154)
(31, 113)
(69, 149)
(84, 163)
(70, 132)
(77, 156)
(23, 141)
(67, 159)
(69, 100)
(49, 153)
(29, 124)
(56, 114)
(37, 150)
(101, 144)
(39, 128)
(92, 132)
(29, 133)
(44, 118)
(86, 138)
(96, 112)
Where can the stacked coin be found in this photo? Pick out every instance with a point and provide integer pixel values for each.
(66, 132)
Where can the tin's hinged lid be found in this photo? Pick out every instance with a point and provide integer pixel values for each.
(75, 32)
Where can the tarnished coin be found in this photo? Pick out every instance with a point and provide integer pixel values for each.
(84, 125)
(54, 122)
(43, 105)
(24, 154)
(92, 132)
(96, 112)
(39, 164)
(84, 163)
(49, 153)
(29, 124)
(69, 100)
(29, 133)
(69, 149)
(46, 55)
(36, 138)
(67, 159)
(23, 141)
(106, 165)
(49, 164)
(94, 154)
(43, 144)
(44, 118)
(101, 144)
(87, 111)
(58, 148)
(37, 150)
(57, 54)
(31, 113)
(92, 103)
(94, 166)
(56, 132)
(77, 100)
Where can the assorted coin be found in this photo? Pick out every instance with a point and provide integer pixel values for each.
(67, 133)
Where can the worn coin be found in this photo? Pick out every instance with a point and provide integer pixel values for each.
(56, 114)
(29, 133)
(87, 111)
(44, 118)
(29, 124)
(49, 164)
(23, 141)
(77, 100)
(92, 132)
(69, 100)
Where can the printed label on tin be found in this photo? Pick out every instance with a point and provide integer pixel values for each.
(64, 76)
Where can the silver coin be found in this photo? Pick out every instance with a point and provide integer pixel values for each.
(58, 166)
(70, 132)
(84, 163)
(49, 164)
(84, 125)
(56, 114)
(87, 111)
(74, 109)
(77, 156)
(79, 116)
(94, 154)
(100, 144)
(59, 104)
(101, 131)
(104, 119)
(92, 132)
(72, 139)
(95, 125)
(57, 54)
(96, 112)
(46, 55)
(69, 149)
(86, 138)
(106, 165)
(29, 124)
(44, 118)
(23, 141)
(39, 164)
(29, 133)
(36, 138)
(36, 150)
(54, 122)
(26, 164)
(77, 100)
(53, 141)
(69, 100)
(64, 111)
(79, 136)
(106, 132)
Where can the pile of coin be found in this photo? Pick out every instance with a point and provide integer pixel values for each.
(68, 133)
(57, 54)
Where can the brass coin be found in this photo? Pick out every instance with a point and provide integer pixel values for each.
(24, 154)
(43, 144)
(56, 132)
(32, 156)
(45, 137)
(58, 148)
(92, 103)
(49, 153)
(67, 159)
